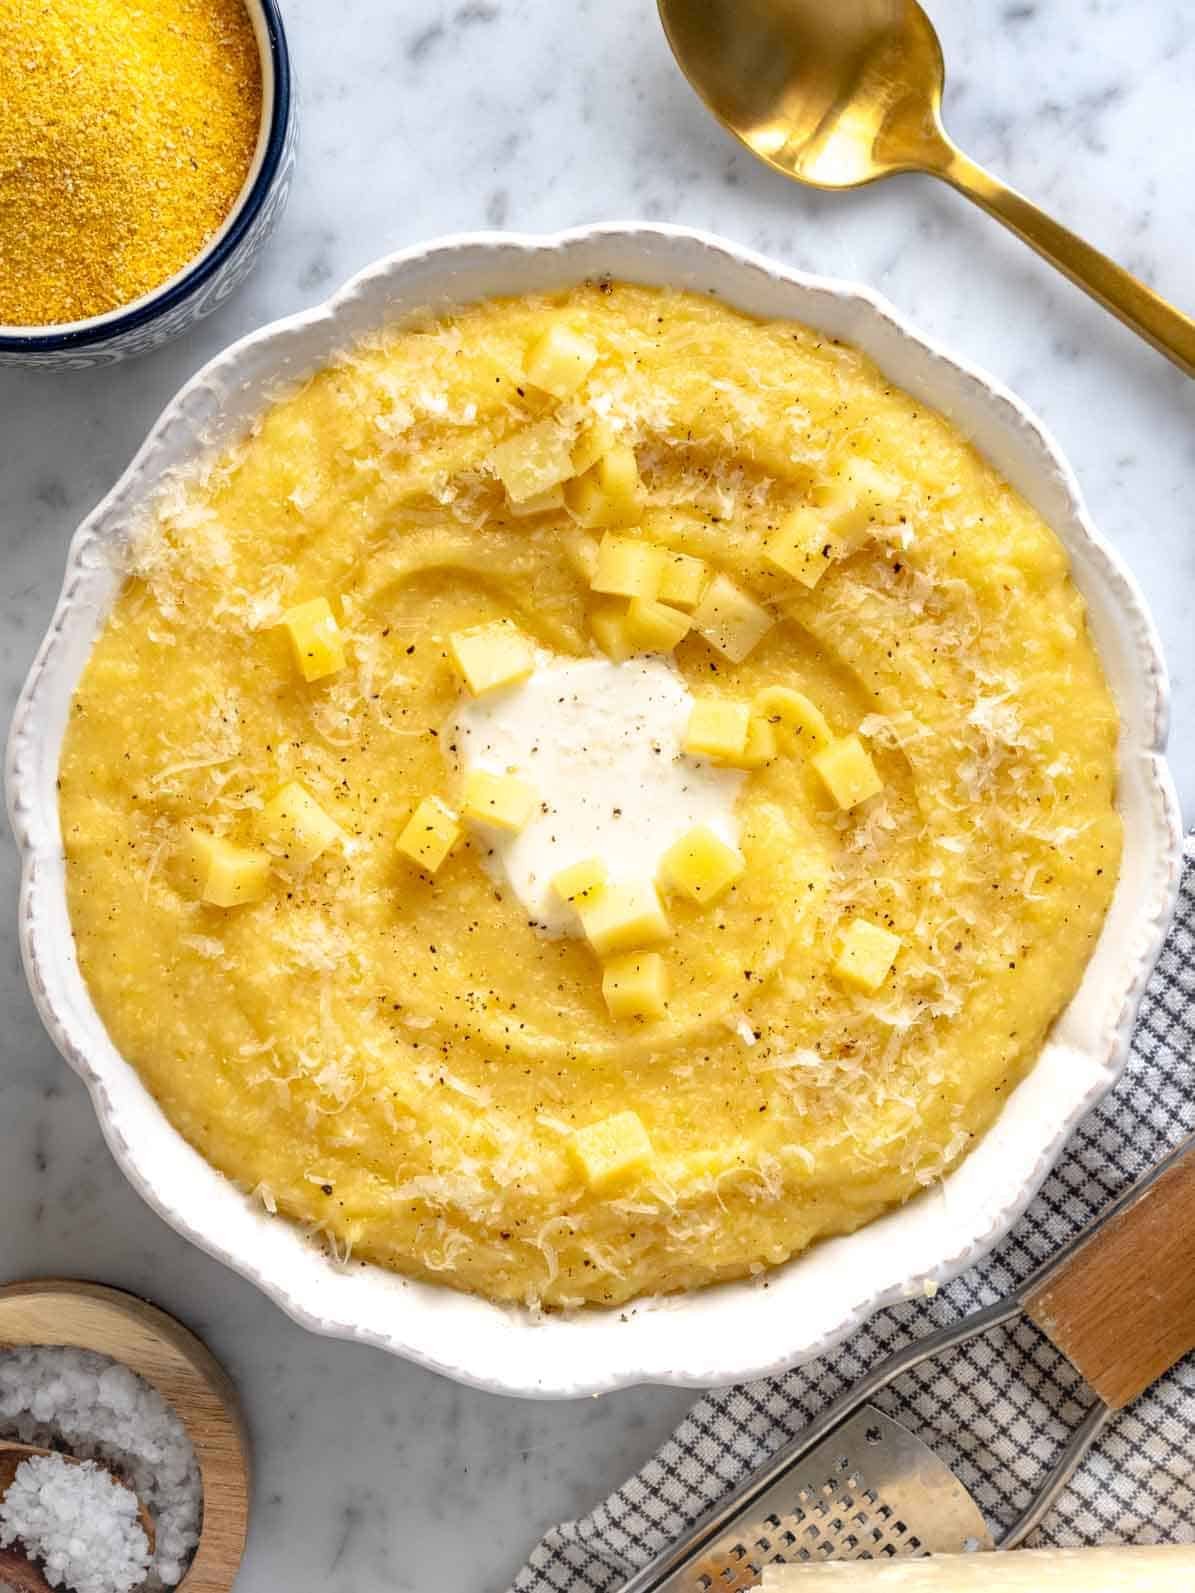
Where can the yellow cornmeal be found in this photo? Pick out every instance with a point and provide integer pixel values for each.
(399, 1060)
(127, 128)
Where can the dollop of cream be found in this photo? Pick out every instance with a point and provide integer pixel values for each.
(601, 744)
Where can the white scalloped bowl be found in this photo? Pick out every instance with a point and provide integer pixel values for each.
(732, 1331)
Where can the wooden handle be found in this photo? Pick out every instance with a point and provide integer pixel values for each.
(1122, 1307)
(1153, 1570)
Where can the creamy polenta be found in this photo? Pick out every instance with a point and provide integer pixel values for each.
(296, 891)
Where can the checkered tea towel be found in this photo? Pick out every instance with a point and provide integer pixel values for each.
(995, 1410)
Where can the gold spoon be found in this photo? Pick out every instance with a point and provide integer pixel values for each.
(16, 1569)
(840, 92)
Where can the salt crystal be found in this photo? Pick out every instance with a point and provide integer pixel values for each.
(99, 1410)
(79, 1522)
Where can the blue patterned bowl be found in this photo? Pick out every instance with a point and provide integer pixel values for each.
(207, 280)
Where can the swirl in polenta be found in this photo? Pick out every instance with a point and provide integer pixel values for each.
(591, 795)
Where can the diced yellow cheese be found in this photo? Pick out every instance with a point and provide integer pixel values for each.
(683, 579)
(223, 874)
(580, 881)
(580, 549)
(761, 746)
(623, 917)
(866, 954)
(293, 824)
(429, 834)
(801, 546)
(717, 728)
(701, 865)
(611, 1151)
(315, 638)
(847, 772)
(609, 492)
(595, 440)
(730, 620)
(498, 799)
(655, 627)
(627, 567)
(540, 503)
(533, 460)
(493, 655)
(873, 492)
(635, 985)
(800, 721)
(560, 360)
(608, 622)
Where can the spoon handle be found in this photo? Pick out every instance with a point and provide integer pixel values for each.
(1159, 323)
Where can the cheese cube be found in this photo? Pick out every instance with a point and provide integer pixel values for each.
(623, 917)
(801, 546)
(429, 834)
(540, 503)
(489, 656)
(560, 360)
(611, 1151)
(222, 874)
(635, 985)
(498, 799)
(315, 638)
(717, 728)
(761, 747)
(533, 460)
(595, 440)
(800, 721)
(730, 620)
(580, 881)
(609, 492)
(627, 567)
(866, 954)
(847, 772)
(701, 865)
(608, 622)
(294, 824)
(874, 494)
(683, 579)
(655, 627)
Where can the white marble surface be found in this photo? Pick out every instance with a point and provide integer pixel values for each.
(423, 117)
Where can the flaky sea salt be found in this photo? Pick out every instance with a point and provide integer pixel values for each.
(99, 1410)
(78, 1522)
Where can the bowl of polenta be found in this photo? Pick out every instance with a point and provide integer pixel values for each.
(593, 810)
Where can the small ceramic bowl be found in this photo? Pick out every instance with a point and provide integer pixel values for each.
(225, 260)
(735, 1330)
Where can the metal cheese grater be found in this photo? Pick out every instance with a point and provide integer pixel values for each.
(1119, 1302)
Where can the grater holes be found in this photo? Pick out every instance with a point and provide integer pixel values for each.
(873, 1435)
(705, 1581)
(788, 1538)
(914, 1544)
(888, 1551)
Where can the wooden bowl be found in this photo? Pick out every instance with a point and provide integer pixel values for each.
(86, 1316)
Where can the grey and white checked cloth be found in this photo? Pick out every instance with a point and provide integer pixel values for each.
(995, 1410)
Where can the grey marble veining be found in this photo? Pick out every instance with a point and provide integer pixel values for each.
(422, 117)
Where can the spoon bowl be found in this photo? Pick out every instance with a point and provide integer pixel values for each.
(838, 93)
(833, 95)
(17, 1570)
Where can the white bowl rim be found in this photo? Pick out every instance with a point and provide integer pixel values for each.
(506, 1350)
